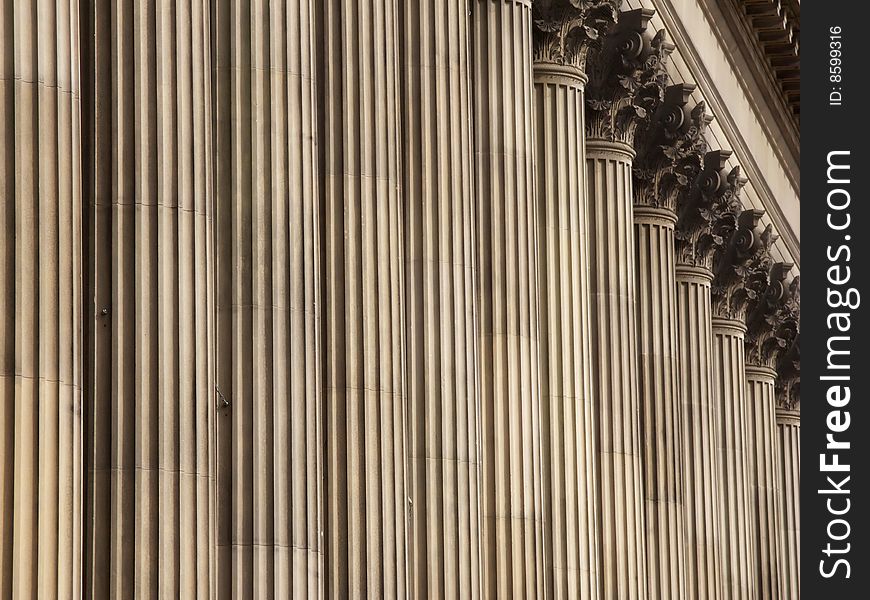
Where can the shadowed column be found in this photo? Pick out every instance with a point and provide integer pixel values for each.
(697, 240)
(364, 308)
(507, 217)
(149, 502)
(744, 247)
(771, 323)
(444, 550)
(269, 452)
(562, 36)
(40, 300)
(788, 425)
(626, 76)
(668, 147)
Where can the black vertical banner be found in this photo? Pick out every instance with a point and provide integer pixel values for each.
(835, 268)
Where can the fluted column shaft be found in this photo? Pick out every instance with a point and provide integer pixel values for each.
(765, 477)
(788, 425)
(617, 406)
(364, 308)
(661, 411)
(149, 501)
(269, 448)
(507, 216)
(40, 300)
(443, 404)
(738, 548)
(569, 449)
(700, 440)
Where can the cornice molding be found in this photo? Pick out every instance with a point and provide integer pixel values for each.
(719, 107)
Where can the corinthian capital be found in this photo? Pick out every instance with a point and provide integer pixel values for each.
(740, 266)
(669, 148)
(564, 30)
(773, 318)
(626, 78)
(788, 375)
(700, 206)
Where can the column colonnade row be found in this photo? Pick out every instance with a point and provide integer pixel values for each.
(393, 298)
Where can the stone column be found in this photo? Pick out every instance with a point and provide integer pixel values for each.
(736, 541)
(269, 514)
(40, 301)
(612, 116)
(666, 146)
(788, 425)
(507, 219)
(764, 470)
(561, 41)
(766, 331)
(700, 438)
(364, 308)
(444, 551)
(744, 246)
(150, 303)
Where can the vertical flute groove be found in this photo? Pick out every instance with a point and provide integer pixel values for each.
(788, 425)
(512, 510)
(614, 346)
(148, 496)
(40, 299)
(737, 542)
(269, 439)
(364, 286)
(443, 417)
(567, 412)
(661, 409)
(703, 474)
(765, 477)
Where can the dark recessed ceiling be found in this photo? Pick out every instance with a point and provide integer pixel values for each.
(776, 25)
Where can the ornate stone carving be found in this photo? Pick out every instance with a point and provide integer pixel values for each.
(626, 78)
(565, 29)
(702, 209)
(788, 375)
(669, 147)
(740, 266)
(772, 321)
(788, 367)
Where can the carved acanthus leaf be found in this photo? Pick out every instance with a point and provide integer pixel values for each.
(564, 30)
(669, 148)
(627, 78)
(703, 209)
(740, 266)
(772, 318)
(788, 375)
